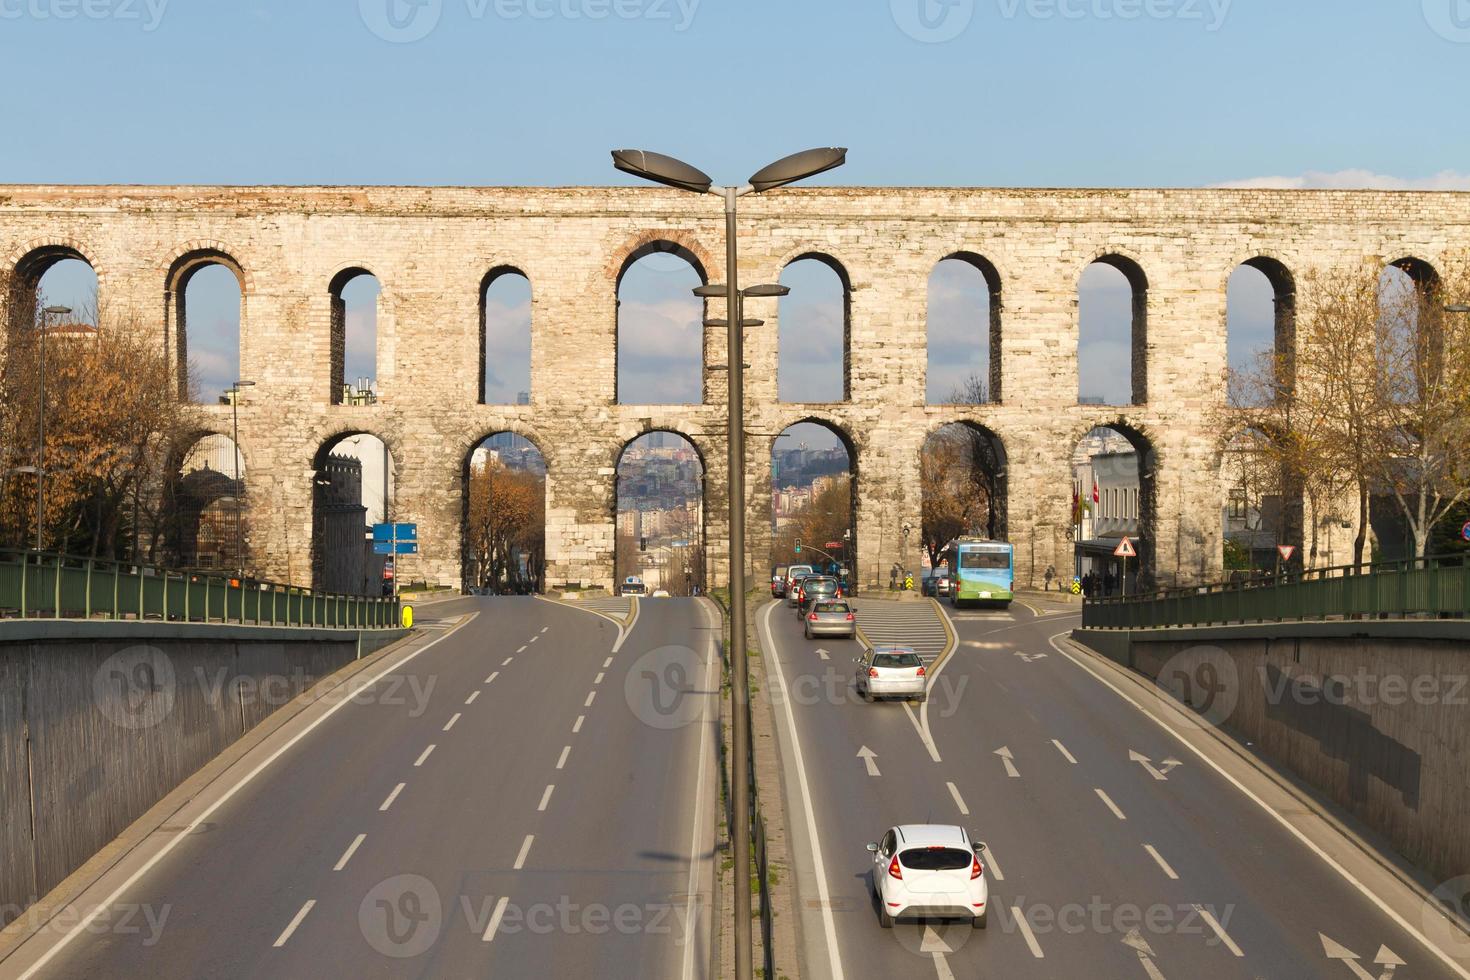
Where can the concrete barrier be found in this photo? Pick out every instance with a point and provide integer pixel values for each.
(1374, 716)
(100, 720)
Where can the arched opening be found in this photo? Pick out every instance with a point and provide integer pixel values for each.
(1114, 496)
(1112, 336)
(964, 480)
(205, 297)
(815, 332)
(53, 276)
(1260, 332)
(353, 488)
(204, 521)
(964, 339)
(354, 295)
(660, 325)
(814, 500)
(1259, 512)
(504, 549)
(660, 514)
(505, 338)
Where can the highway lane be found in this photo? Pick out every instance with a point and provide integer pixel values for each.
(509, 807)
(1091, 844)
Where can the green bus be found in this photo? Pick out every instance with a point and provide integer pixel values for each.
(981, 570)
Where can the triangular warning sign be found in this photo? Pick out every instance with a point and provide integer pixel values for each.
(1125, 549)
(1287, 551)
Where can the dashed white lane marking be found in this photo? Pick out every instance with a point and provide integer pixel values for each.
(391, 797)
(994, 865)
(1063, 750)
(561, 763)
(1153, 852)
(958, 801)
(427, 752)
(472, 697)
(533, 640)
(577, 725)
(521, 650)
(1111, 805)
(599, 678)
(545, 628)
(525, 849)
(607, 663)
(545, 799)
(351, 850)
(286, 936)
(590, 697)
(491, 678)
(1214, 924)
(499, 914)
(1026, 933)
(453, 721)
(507, 661)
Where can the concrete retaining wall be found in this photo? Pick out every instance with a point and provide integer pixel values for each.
(1378, 723)
(99, 721)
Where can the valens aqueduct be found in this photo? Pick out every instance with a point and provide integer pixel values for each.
(432, 249)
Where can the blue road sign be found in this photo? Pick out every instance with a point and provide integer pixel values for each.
(400, 532)
(401, 548)
(1465, 531)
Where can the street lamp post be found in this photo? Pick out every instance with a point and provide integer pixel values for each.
(235, 450)
(46, 316)
(675, 173)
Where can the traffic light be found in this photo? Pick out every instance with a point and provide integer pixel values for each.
(642, 544)
(798, 547)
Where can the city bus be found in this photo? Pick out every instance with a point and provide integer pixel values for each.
(981, 571)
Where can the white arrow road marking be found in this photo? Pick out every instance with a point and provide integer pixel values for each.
(1148, 764)
(1214, 924)
(870, 758)
(1007, 758)
(1169, 765)
(1386, 958)
(941, 967)
(1139, 945)
(1031, 658)
(1063, 750)
(823, 654)
(937, 948)
(1389, 959)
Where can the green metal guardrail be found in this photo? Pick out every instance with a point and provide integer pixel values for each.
(1418, 588)
(40, 585)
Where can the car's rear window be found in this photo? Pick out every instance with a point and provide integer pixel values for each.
(935, 859)
(897, 660)
(832, 607)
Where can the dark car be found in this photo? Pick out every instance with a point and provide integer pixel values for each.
(778, 581)
(817, 587)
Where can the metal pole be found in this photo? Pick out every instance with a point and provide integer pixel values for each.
(235, 449)
(41, 436)
(739, 681)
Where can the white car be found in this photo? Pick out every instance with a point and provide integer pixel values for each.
(891, 672)
(661, 594)
(929, 871)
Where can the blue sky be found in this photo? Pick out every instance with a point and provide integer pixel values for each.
(963, 92)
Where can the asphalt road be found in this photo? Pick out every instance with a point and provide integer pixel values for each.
(519, 799)
(1100, 865)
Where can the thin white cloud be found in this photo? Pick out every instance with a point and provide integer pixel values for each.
(1356, 179)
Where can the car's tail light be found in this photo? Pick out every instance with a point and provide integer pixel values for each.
(872, 671)
(975, 868)
(812, 618)
(921, 672)
(851, 617)
(894, 870)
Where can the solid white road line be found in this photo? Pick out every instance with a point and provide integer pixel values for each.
(351, 850)
(590, 698)
(600, 676)
(285, 936)
(495, 918)
(690, 911)
(209, 811)
(993, 865)
(941, 966)
(1326, 858)
(955, 792)
(1111, 805)
(474, 696)
(1063, 750)
(525, 849)
(391, 797)
(1214, 924)
(577, 725)
(545, 799)
(491, 678)
(562, 762)
(424, 756)
(1162, 863)
(453, 721)
(828, 923)
(1026, 933)
(921, 726)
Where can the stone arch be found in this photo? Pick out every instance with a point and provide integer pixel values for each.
(339, 513)
(29, 264)
(993, 282)
(185, 264)
(497, 273)
(1284, 310)
(844, 279)
(696, 553)
(990, 473)
(648, 245)
(1131, 268)
(1262, 506)
(337, 371)
(1149, 464)
(187, 497)
(471, 567)
(852, 448)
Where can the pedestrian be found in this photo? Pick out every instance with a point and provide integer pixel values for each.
(1110, 584)
(1087, 585)
(1051, 573)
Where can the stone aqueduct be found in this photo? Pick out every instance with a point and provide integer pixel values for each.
(433, 248)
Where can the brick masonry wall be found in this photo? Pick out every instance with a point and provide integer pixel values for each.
(432, 247)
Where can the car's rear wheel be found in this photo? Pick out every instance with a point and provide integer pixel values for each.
(979, 922)
(867, 695)
(922, 698)
(884, 919)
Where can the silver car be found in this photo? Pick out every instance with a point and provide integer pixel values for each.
(891, 672)
(831, 617)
